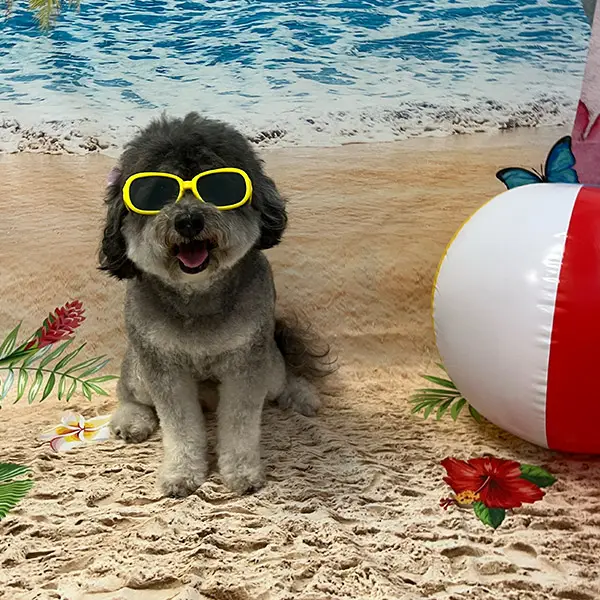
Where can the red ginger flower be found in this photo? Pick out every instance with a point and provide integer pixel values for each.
(495, 482)
(59, 326)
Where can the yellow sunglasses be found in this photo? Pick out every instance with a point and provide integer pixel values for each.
(148, 193)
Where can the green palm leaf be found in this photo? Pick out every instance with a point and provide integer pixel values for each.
(46, 11)
(39, 381)
(446, 397)
(9, 342)
(12, 490)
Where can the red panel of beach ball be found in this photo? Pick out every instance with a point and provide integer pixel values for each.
(516, 310)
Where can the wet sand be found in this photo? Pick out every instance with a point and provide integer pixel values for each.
(351, 505)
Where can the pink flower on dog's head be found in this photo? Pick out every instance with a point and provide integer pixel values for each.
(113, 176)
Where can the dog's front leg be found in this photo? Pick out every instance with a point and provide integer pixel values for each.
(239, 415)
(179, 411)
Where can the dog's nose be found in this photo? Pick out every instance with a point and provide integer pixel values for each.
(189, 225)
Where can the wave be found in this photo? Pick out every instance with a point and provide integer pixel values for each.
(326, 128)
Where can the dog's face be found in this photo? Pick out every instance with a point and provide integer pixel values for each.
(188, 241)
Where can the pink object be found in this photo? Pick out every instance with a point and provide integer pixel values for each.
(586, 133)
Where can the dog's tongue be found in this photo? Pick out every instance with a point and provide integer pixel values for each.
(192, 255)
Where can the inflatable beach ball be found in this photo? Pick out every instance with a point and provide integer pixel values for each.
(516, 310)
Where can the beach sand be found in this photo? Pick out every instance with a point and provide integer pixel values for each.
(351, 507)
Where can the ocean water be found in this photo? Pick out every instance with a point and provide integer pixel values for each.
(291, 73)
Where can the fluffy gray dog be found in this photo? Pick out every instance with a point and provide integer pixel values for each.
(200, 302)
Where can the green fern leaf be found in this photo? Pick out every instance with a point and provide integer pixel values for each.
(475, 414)
(22, 383)
(12, 490)
(10, 471)
(456, 408)
(37, 355)
(71, 389)
(9, 342)
(49, 386)
(55, 353)
(445, 383)
(68, 358)
(8, 383)
(37, 384)
(443, 408)
(85, 365)
(102, 379)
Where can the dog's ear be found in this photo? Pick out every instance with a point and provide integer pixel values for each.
(113, 250)
(273, 215)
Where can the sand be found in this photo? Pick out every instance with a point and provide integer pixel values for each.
(351, 507)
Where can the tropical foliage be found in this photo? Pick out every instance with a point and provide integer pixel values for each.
(13, 488)
(442, 399)
(46, 11)
(38, 368)
(43, 363)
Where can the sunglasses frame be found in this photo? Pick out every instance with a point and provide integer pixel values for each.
(185, 186)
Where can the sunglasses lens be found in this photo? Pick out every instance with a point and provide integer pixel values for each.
(153, 192)
(222, 189)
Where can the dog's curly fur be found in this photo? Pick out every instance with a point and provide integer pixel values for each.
(209, 339)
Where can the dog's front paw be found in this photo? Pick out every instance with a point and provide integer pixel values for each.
(241, 477)
(180, 482)
(133, 422)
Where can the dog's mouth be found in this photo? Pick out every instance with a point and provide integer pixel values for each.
(193, 256)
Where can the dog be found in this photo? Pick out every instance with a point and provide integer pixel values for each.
(200, 301)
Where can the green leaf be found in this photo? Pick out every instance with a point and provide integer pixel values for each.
(55, 353)
(8, 383)
(9, 342)
(475, 414)
(49, 387)
(12, 493)
(456, 408)
(445, 383)
(35, 388)
(93, 370)
(87, 391)
(86, 364)
(22, 383)
(61, 387)
(419, 407)
(68, 358)
(103, 379)
(437, 392)
(489, 516)
(537, 475)
(442, 367)
(96, 388)
(36, 355)
(72, 389)
(429, 409)
(10, 471)
(443, 408)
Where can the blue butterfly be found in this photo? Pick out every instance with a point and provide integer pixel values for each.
(558, 168)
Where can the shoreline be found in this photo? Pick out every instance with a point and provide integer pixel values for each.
(83, 136)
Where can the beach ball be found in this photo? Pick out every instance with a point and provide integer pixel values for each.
(516, 310)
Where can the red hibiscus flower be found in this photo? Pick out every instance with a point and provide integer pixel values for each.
(495, 482)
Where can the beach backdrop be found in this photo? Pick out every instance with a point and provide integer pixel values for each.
(289, 72)
(351, 509)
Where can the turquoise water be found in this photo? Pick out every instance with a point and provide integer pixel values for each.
(290, 72)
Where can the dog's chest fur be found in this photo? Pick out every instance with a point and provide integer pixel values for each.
(205, 329)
